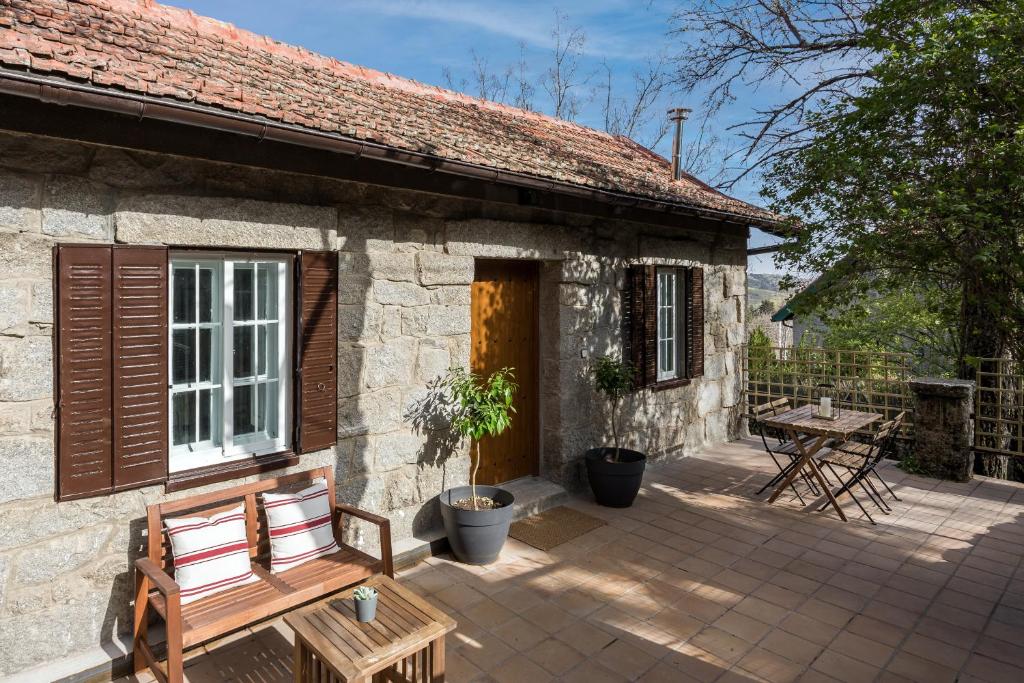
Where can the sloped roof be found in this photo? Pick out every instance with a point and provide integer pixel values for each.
(143, 48)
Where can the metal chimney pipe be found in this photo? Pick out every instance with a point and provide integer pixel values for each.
(677, 116)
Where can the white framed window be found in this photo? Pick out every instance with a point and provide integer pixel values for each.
(230, 357)
(670, 326)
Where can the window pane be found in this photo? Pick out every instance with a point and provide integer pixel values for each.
(244, 396)
(266, 413)
(209, 415)
(243, 351)
(268, 360)
(243, 291)
(267, 290)
(184, 295)
(207, 352)
(183, 418)
(183, 356)
(207, 297)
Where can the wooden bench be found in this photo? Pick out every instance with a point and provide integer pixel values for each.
(219, 614)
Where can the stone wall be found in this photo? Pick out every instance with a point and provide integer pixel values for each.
(406, 268)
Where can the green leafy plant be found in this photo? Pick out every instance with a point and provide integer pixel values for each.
(614, 379)
(364, 593)
(483, 407)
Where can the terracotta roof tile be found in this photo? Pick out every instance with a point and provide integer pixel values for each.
(142, 47)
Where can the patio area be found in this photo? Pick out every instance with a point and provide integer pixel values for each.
(702, 581)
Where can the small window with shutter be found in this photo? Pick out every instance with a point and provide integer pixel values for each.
(664, 324)
(190, 367)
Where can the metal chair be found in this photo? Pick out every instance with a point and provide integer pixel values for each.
(782, 447)
(860, 461)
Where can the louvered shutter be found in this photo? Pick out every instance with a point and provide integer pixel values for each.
(641, 323)
(694, 322)
(140, 366)
(84, 391)
(111, 343)
(316, 377)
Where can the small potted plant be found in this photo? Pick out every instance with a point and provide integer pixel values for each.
(615, 474)
(365, 599)
(477, 518)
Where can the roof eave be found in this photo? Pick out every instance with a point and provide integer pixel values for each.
(63, 92)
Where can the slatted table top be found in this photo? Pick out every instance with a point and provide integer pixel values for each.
(804, 419)
(405, 623)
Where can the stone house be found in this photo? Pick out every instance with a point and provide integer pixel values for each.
(222, 257)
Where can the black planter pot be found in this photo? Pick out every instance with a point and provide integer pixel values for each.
(476, 536)
(615, 484)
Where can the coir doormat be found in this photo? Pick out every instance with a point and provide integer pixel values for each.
(554, 527)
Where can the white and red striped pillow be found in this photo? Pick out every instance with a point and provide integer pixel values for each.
(300, 526)
(211, 554)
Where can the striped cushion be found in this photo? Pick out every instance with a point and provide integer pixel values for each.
(211, 554)
(300, 526)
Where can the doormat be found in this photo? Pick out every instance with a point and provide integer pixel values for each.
(554, 527)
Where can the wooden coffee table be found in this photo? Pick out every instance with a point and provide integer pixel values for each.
(405, 642)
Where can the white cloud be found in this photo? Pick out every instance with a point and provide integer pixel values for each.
(530, 22)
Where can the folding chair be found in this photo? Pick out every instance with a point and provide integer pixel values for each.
(860, 461)
(781, 447)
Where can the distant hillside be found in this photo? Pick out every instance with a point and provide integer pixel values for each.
(765, 287)
(769, 281)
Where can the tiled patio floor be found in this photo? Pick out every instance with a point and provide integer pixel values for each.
(701, 581)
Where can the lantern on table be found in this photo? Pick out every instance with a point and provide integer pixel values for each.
(827, 405)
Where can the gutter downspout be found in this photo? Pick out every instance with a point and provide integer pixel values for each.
(141, 107)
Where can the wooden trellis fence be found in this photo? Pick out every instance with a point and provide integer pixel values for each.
(866, 380)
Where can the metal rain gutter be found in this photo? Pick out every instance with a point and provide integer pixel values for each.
(56, 91)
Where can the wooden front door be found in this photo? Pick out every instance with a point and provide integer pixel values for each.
(505, 320)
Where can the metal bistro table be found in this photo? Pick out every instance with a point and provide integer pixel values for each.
(803, 420)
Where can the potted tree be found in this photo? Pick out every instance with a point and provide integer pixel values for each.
(477, 518)
(615, 474)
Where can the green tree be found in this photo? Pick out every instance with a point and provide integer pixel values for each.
(614, 379)
(917, 179)
(483, 407)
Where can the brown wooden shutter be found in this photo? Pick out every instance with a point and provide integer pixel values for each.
(641, 322)
(694, 322)
(84, 350)
(316, 377)
(140, 366)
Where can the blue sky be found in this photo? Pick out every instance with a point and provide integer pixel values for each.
(419, 38)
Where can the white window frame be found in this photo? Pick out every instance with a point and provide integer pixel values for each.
(669, 323)
(203, 454)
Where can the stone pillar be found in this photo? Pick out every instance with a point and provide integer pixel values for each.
(943, 427)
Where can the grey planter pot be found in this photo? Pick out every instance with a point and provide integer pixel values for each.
(476, 536)
(366, 610)
(615, 484)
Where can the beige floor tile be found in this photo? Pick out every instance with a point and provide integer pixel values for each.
(845, 668)
(487, 653)
(519, 634)
(792, 647)
(519, 669)
(585, 638)
(555, 656)
(918, 669)
(721, 644)
(488, 613)
(458, 668)
(591, 672)
(625, 659)
(742, 626)
(769, 666)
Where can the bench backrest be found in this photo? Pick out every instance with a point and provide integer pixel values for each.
(206, 504)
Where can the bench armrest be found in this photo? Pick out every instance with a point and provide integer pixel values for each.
(362, 514)
(385, 533)
(164, 583)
